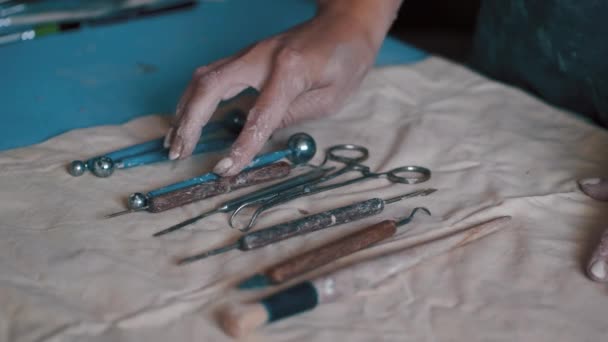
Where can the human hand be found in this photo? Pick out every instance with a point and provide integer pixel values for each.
(304, 73)
(597, 268)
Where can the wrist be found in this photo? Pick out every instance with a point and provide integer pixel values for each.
(374, 17)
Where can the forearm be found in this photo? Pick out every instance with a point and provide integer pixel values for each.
(376, 16)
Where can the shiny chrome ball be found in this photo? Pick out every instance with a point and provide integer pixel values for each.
(103, 167)
(303, 148)
(77, 168)
(137, 201)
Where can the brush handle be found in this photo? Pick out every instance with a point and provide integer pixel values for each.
(311, 223)
(331, 251)
(223, 185)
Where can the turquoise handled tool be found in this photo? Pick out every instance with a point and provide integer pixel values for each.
(301, 147)
(104, 167)
(154, 151)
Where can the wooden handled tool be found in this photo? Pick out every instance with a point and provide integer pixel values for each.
(327, 253)
(332, 251)
(308, 224)
(223, 185)
(220, 186)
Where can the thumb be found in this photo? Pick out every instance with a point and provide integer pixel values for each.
(596, 188)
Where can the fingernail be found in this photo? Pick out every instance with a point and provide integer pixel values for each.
(166, 142)
(591, 181)
(598, 270)
(173, 155)
(223, 166)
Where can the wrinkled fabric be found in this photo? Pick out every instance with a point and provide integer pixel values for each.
(66, 274)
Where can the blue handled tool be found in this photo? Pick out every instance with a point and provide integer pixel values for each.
(153, 151)
(301, 147)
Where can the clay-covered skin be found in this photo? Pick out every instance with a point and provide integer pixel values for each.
(597, 268)
(304, 73)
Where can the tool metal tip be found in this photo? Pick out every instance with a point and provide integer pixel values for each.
(120, 213)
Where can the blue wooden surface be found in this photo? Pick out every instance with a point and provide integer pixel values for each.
(111, 74)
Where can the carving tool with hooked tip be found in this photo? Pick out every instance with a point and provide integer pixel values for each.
(307, 224)
(301, 147)
(240, 319)
(177, 198)
(154, 151)
(323, 255)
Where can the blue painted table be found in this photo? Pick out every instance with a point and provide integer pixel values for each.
(111, 74)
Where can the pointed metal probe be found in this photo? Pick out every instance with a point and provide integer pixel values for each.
(308, 224)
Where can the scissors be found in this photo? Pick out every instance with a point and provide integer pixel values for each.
(403, 175)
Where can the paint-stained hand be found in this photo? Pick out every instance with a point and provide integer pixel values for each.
(597, 269)
(304, 73)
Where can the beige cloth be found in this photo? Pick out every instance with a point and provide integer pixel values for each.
(68, 275)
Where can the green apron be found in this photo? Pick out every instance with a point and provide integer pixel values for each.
(556, 49)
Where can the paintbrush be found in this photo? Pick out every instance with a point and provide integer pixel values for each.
(240, 319)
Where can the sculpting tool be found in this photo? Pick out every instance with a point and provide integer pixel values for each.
(177, 198)
(240, 319)
(307, 224)
(323, 255)
(267, 192)
(154, 151)
(301, 147)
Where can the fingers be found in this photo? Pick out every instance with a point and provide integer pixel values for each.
(187, 96)
(208, 88)
(598, 265)
(596, 188)
(597, 269)
(284, 85)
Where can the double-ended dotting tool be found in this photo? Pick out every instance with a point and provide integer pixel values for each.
(308, 224)
(301, 148)
(153, 151)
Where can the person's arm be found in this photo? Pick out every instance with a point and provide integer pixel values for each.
(304, 73)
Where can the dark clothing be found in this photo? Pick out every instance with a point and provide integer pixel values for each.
(557, 49)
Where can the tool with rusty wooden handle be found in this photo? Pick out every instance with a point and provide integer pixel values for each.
(307, 224)
(323, 255)
(183, 196)
(301, 147)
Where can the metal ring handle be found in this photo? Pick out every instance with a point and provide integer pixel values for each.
(332, 153)
(393, 175)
